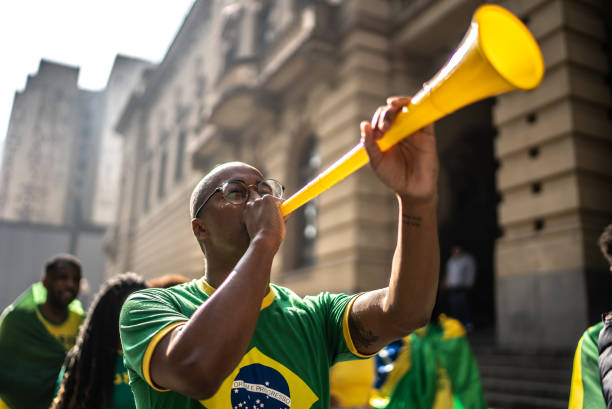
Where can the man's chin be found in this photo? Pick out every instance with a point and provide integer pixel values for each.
(65, 301)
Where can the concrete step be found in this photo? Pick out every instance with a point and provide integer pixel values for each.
(503, 400)
(519, 387)
(513, 359)
(491, 371)
(521, 379)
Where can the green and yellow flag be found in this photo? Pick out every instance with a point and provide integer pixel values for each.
(586, 391)
(433, 368)
(30, 357)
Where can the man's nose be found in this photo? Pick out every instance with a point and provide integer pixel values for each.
(73, 284)
(253, 192)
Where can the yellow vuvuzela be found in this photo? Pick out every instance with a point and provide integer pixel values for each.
(498, 54)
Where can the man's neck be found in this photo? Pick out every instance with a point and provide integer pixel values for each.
(218, 268)
(216, 278)
(55, 314)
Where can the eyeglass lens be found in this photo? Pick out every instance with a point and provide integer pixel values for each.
(236, 192)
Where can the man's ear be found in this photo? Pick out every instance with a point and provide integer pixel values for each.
(199, 230)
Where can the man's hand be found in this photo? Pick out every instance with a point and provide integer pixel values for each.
(410, 167)
(263, 220)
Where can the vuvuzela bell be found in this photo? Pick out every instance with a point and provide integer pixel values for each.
(498, 54)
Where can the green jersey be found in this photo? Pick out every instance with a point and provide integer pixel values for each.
(585, 392)
(286, 364)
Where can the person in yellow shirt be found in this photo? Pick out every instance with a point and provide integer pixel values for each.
(36, 331)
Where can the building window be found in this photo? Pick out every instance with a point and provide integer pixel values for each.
(306, 217)
(161, 187)
(147, 193)
(180, 154)
(230, 34)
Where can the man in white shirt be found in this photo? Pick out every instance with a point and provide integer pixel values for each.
(460, 276)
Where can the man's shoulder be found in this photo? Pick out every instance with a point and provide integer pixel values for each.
(289, 299)
(284, 292)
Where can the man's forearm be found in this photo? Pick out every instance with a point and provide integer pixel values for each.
(205, 350)
(381, 316)
(416, 263)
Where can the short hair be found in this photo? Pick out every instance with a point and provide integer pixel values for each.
(167, 280)
(54, 262)
(605, 243)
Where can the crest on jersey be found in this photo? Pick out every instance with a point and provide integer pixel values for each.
(260, 382)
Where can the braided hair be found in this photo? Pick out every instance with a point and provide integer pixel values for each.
(90, 365)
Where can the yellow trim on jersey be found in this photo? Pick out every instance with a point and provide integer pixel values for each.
(146, 359)
(577, 389)
(267, 300)
(347, 332)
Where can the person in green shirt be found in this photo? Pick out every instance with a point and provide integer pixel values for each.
(93, 375)
(586, 390)
(36, 331)
(231, 339)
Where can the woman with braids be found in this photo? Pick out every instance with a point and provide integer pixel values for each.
(93, 375)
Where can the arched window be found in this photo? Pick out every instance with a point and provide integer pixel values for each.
(306, 216)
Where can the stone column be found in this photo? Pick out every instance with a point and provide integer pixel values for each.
(357, 217)
(555, 181)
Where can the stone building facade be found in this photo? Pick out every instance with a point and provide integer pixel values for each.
(525, 178)
(60, 172)
(53, 131)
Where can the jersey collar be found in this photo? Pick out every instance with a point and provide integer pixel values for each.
(267, 300)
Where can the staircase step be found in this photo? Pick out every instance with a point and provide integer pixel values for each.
(521, 379)
(491, 371)
(553, 362)
(527, 388)
(503, 400)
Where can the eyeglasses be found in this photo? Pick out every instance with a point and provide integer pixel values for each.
(236, 192)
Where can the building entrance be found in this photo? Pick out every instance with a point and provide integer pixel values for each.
(468, 201)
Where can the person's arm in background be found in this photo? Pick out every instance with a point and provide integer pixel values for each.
(471, 271)
(410, 169)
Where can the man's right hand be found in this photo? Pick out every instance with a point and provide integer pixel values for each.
(264, 221)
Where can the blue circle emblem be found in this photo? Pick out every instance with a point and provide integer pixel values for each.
(260, 387)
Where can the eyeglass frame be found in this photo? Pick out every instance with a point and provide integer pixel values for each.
(248, 192)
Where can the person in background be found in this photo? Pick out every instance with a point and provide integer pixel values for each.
(432, 368)
(167, 280)
(36, 331)
(605, 336)
(459, 281)
(93, 375)
(590, 359)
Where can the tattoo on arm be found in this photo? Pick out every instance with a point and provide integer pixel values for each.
(412, 221)
(362, 337)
